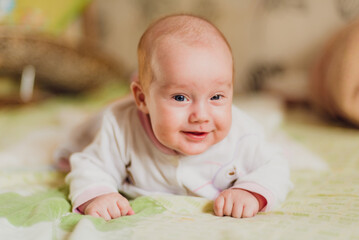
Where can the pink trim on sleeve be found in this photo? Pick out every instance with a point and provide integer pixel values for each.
(256, 188)
(88, 195)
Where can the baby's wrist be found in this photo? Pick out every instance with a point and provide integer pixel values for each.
(262, 202)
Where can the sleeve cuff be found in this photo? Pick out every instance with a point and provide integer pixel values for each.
(256, 188)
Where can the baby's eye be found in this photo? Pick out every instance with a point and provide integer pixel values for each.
(216, 97)
(180, 98)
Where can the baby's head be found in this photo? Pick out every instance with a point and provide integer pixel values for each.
(185, 83)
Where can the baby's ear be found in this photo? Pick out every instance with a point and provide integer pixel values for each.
(139, 96)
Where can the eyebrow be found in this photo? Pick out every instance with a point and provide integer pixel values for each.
(224, 82)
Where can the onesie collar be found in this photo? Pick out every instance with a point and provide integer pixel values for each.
(146, 124)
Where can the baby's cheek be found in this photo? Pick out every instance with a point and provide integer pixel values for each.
(227, 125)
(165, 134)
(223, 125)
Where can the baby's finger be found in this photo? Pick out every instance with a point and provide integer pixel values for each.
(228, 206)
(123, 206)
(105, 214)
(114, 211)
(131, 212)
(218, 206)
(237, 210)
(248, 211)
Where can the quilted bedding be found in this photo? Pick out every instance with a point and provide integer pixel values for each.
(33, 196)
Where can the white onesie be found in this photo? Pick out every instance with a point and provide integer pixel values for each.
(125, 156)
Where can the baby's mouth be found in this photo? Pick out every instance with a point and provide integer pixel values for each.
(198, 136)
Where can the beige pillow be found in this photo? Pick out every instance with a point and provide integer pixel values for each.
(335, 76)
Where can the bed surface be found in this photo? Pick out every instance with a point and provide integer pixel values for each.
(34, 204)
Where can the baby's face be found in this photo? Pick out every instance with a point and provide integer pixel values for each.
(189, 101)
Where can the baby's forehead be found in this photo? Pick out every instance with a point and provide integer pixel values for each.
(167, 43)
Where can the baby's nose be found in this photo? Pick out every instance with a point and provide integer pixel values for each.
(199, 114)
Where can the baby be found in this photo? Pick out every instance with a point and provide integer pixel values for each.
(179, 134)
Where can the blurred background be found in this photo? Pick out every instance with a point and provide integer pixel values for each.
(73, 47)
(296, 72)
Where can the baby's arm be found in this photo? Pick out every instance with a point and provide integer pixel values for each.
(238, 203)
(263, 175)
(108, 206)
(97, 171)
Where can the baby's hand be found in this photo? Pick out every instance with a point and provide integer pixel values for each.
(108, 206)
(238, 203)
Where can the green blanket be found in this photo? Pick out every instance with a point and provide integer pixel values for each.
(322, 205)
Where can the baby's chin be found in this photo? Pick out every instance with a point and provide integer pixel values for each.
(192, 150)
